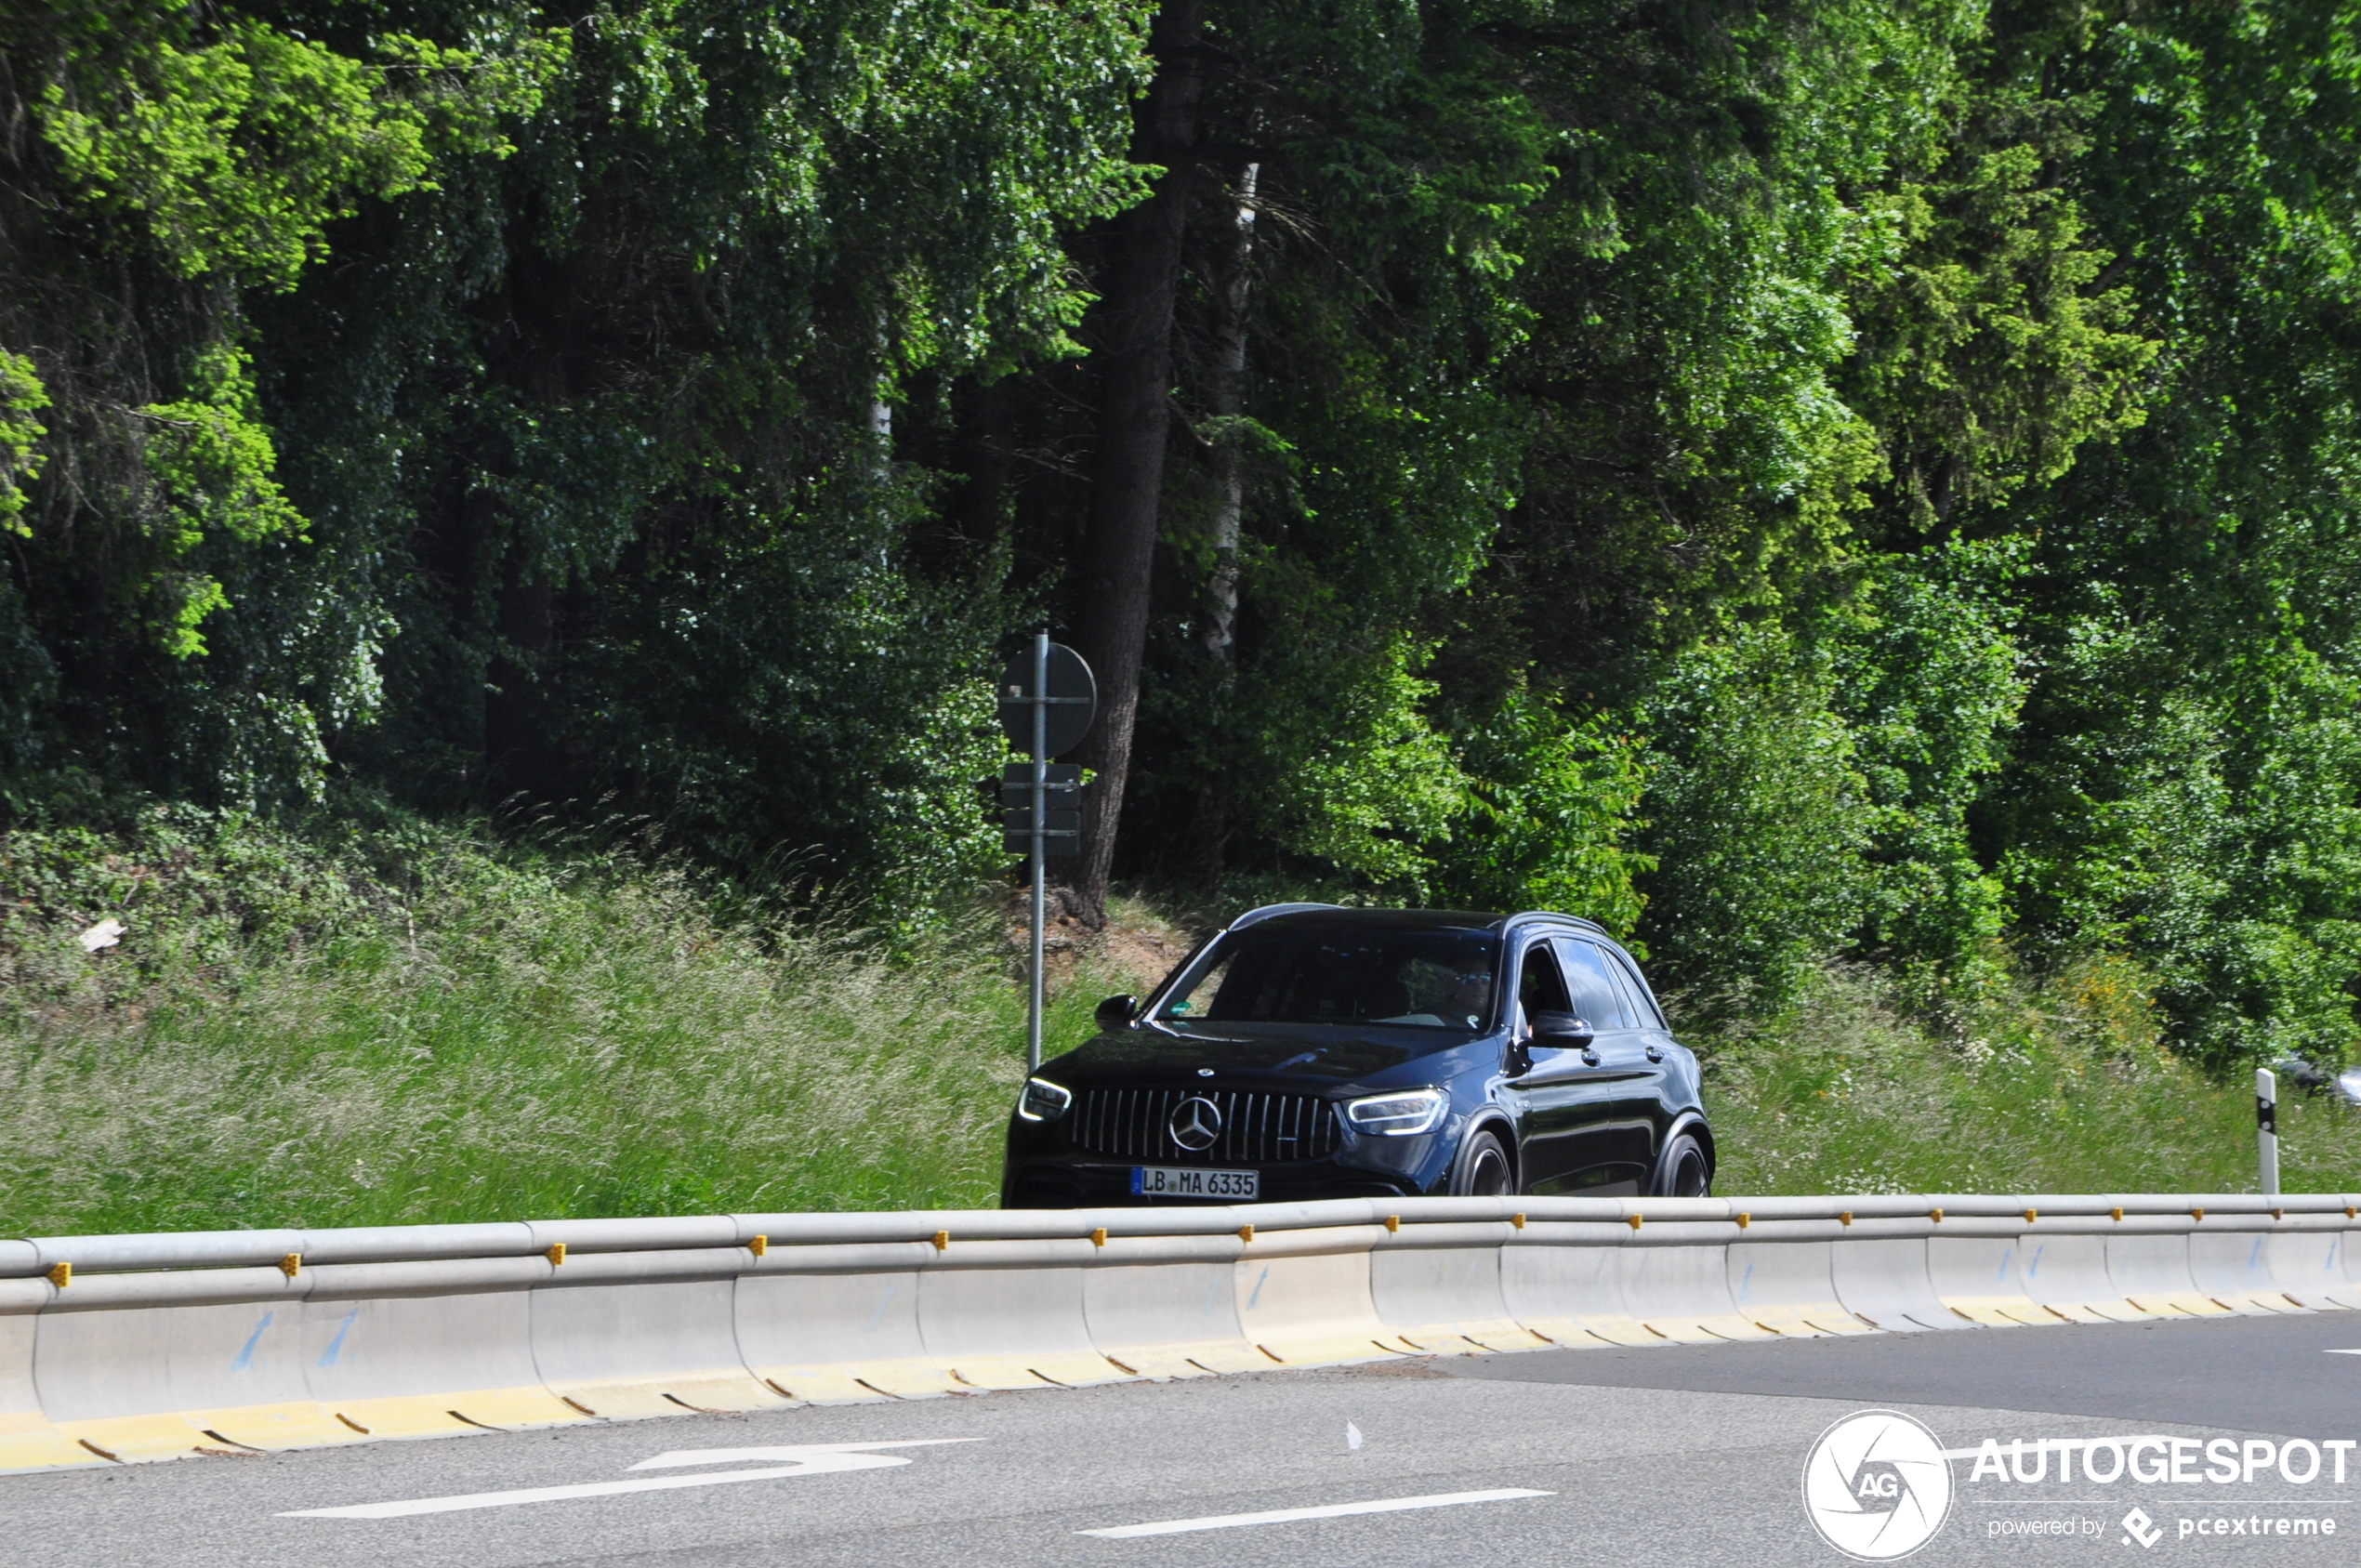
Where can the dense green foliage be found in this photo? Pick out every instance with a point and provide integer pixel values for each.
(1788, 477)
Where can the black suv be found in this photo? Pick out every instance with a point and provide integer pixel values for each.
(1309, 1051)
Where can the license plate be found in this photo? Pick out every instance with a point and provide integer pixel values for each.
(1182, 1182)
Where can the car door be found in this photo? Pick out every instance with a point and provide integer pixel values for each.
(1615, 1154)
(1553, 1093)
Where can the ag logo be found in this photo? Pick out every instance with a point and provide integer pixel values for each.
(1877, 1485)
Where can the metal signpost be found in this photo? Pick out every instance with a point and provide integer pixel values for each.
(1048, 699)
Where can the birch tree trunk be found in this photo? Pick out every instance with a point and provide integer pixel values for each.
(1229, 400)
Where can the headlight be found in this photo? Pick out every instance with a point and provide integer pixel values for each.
(1397, 1116)
(1043, 1100)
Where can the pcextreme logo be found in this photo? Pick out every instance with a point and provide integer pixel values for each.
(1877, 1485)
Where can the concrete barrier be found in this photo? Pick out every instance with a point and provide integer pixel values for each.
(838, 1324)
(1304, 1298)
(159, 1381)
(2307, 1265)
(1788, 1288)
(429, 1349)
(2228, 1262)
(1565, 1282)
(130, 1348)
(1168, 1306)
(1437, 1286)
(27, 1438)
(2067, 1273)
(1883, 1281)
(1982, 1279)
(622, 1334)
(1010, 1315)
(1676, 1281)
(2150, 1269)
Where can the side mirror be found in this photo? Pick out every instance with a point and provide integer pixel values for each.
(1116, 1012)
(1566, 1031)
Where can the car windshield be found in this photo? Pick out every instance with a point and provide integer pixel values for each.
(1420, 980)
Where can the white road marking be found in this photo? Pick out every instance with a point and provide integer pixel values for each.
(2345, 1352)
(1329, 1511)
(810, 1458)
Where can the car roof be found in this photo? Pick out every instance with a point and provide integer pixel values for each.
(1329, 916)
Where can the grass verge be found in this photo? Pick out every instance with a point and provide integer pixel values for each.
(374, 1020)
(2061, 1088)
(405, 1026)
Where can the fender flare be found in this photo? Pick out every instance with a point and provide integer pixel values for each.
(1694, 1124)
(1493, 1120)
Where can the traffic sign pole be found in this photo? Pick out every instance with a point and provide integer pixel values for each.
(1039, 846)
(1048, 699)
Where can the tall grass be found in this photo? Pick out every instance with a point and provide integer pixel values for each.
(381, 1020)
(498, 1036)
(2060, 1088)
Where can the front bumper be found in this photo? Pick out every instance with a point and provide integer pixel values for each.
(1090, 1182)
(1044, 1170)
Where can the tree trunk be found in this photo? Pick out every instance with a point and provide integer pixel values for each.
(1232, 285)
(1133, 361)
(1229, 400)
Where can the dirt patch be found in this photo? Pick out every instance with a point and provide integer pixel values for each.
(1132, 952)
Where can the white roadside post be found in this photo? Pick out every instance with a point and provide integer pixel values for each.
(1039, 814)
(2266, 1124)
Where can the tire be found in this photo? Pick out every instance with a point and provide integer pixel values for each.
(1484, 1170)
(1684, 1171)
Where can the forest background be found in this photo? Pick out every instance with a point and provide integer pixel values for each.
(1826, 481)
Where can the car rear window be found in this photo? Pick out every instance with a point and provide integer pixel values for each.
(1419, 979)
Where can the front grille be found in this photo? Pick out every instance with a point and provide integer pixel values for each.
(1256, 1128)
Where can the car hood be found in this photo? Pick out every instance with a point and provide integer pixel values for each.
(1313, 1055)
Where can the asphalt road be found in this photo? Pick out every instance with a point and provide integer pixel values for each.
(1675, 1456)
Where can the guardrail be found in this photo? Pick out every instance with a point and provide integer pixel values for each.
(114, 1348)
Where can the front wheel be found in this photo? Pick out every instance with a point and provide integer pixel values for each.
(1683, 1172)
(1483, 1169)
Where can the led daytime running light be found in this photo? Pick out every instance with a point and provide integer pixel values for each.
(1398, 1116)
(1043, 1100)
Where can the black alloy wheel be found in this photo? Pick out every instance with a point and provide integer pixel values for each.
(1483, 1169)
(1683, 1173)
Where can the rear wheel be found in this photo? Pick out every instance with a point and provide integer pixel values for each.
(1483, 1169)
(1683, 1172)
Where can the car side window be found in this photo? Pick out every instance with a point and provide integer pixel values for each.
(1595, 996)
(1540, 988)
(1644, 1007)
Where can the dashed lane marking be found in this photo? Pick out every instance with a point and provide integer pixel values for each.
(1327, 1511)
(810, 1458)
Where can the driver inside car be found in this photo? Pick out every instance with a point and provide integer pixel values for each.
(1470, 992)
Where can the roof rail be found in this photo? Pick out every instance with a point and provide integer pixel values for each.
(1555, 914)
(1267, 910)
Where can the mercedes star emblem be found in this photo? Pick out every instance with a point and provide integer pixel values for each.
(1196, 1122)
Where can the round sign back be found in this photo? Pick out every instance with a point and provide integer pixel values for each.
(1074, 700)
